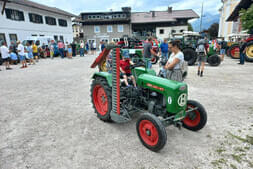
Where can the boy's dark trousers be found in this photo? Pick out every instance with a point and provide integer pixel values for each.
(242, 57)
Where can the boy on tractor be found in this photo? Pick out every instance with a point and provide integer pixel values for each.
(125, 70)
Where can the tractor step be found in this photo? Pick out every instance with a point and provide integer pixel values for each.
(120, 118)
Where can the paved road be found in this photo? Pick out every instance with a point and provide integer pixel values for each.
(47, 122)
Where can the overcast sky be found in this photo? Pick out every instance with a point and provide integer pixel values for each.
(77, 6)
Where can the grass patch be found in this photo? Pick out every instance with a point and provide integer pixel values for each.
(237, 158)
(220, 150)
(246, 148)
(233, 166)
(248, 139)
(239, 149)
(218, 162)
(209, 136)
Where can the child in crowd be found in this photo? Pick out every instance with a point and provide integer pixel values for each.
(69, 52)
(125, 68)
(109, 63)
(35, 51)
(51, 49)
(29, 51)
(14, 58)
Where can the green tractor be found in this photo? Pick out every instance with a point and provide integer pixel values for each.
(188, 41)
(160, 101)
(212, 57)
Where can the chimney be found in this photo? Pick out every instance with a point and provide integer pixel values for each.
(170, 9)
(153, 13)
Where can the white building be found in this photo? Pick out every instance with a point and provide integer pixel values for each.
(23, 19)
(227, 28)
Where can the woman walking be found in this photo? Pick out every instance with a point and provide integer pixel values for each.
(175, 62)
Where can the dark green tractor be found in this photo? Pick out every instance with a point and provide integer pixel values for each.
(160, 101)
(188, 44)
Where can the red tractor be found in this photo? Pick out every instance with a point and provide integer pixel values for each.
(234, 50)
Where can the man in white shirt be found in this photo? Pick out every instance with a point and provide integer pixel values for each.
(5, 55)
(21, 54)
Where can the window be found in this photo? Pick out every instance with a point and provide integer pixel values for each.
(181, 30)
(89, 17)
(2, 37)
(35, 18)
(109, 28)
(62, 22)
(42, 35)
(13, 37)
(120, 28)
(50, 20)
(61, 38)
(14, 14)
(96, 29)
(161, 31)
(55, 38)
(34, 35)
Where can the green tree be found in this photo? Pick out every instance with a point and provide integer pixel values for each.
(190, 27)
(246, 18)
(213, 30)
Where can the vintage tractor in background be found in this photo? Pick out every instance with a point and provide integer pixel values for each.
(134, 43)
(234, 47)
(188, 43)
(249, 49)
(162, 102)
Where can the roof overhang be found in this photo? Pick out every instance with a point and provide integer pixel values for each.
(41, 7)
(243, 4)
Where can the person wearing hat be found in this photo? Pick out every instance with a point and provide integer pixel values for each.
(21, 54)
(125, 68)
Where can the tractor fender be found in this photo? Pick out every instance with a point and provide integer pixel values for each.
(107, 76)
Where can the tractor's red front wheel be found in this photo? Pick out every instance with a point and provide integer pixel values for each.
(151, 132)
(197, 118)
(101, 98)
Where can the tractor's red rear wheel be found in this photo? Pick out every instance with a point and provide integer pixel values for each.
(196, 119)
(101, 98)
(151, 132)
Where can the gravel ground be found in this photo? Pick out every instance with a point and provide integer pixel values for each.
(47, 122)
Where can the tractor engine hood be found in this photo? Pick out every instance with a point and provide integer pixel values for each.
(172, 91)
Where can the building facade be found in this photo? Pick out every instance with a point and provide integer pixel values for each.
(111, 26)
(23, 19)
(227, 28)
(161, 24)
(105, 26)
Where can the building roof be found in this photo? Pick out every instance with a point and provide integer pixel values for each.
(162, 16)
(243, 4)
(41, 7)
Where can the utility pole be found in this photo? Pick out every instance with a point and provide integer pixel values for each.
(201, 17)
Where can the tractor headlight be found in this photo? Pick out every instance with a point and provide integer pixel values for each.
(182, 100)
